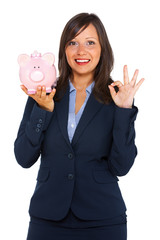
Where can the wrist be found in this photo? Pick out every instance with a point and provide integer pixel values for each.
(46, 108)
(128, 107)
(124, 106)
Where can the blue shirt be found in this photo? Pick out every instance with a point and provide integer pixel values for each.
(73, 119)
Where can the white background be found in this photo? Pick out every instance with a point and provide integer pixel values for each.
(133, 31)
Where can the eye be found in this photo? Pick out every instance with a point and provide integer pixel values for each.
(38, 66)
(34, 66)
(90, 43)
(73, 43)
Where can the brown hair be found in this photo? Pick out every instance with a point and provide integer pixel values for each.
(103, 69)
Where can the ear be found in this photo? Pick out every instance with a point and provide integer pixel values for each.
(49, 57)
(23, 59)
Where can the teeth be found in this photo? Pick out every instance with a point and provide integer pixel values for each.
(81, 61)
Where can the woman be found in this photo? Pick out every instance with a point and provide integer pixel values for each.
(85, 136)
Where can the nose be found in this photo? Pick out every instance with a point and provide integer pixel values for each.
(36, 76)
(81, 49)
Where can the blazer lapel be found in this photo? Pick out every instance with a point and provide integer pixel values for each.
(62, 108)
(90, 110)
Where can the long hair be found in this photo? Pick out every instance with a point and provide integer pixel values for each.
(102, 78)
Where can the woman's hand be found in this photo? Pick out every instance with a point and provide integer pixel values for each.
(44, 101)
(124, 97)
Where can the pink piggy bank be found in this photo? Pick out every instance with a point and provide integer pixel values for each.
(37, 70)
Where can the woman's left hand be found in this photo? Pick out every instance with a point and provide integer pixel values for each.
(124, 97)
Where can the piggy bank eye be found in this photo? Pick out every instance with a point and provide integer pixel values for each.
(38, 66)
(34, 66)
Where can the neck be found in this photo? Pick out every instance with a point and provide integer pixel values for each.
(81, 82)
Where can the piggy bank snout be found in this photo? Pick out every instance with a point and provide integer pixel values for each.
(36, 76)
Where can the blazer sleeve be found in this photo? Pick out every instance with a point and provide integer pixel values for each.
(123, 150)
(27, 146)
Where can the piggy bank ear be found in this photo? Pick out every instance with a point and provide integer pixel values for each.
(23, 59)
(49, 57)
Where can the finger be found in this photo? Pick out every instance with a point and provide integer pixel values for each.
(139, 84)
(125, 75)
(39, 90)
(117, 83)
(43, 93)
(133, 81)
(51, 95)
(112, 91)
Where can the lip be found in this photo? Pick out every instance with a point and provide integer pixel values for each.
(82, 61)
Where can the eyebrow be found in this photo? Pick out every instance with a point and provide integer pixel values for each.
(87, 38)
(91, 37)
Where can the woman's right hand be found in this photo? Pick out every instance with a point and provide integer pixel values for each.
(45, 101)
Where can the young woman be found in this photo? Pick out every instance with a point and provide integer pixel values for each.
(84, 133)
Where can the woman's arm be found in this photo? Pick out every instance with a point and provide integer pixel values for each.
(123, 151)
(27, 146)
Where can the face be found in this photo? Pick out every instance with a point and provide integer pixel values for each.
(83, 52)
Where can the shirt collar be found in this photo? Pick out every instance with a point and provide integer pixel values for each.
(88, 89)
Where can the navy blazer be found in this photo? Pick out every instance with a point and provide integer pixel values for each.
(81, 175)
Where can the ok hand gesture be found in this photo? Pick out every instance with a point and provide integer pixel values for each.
(124, 97)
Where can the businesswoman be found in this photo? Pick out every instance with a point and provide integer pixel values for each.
(84, 133)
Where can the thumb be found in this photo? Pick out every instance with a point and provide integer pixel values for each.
(112, 91)
(24, 89)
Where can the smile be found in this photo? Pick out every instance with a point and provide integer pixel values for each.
(82, 61)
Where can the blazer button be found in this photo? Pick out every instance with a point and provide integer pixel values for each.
(70, 155)
(38, 125)
(70, 176)
(40, 120)
(37, 130)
